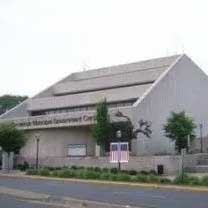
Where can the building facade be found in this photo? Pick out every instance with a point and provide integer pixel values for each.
(62, 115)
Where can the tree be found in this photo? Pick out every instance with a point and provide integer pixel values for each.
(178, 128)
(11, 138)
(102, 127)
(9, 101)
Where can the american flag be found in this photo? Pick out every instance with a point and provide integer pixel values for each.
(119, 152)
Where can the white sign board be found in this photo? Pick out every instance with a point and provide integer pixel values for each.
(76, 150)
(119, 152)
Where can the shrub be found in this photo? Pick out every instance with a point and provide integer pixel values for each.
(79, 174)
(66, 173)
(80, 168)
(23, 167)
(181, 179)
(143, 172)
(74, 167)
(90, 174)
(114, 170)
(106, 170)
(165, 181)
(142, 178)
(153, 179)
(97, 169)
(204, 181)
(153, 172)
(113, 177)
(123, 177)
(90, 168)
(132, 172)
(134, 178)
(105, 176)
(44, 172)
(193, 180)
(55, 173)
(32, 172)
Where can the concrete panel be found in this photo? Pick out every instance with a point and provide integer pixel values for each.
(184, 88)
(54, 142)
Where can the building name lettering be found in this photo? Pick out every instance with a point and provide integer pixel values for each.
(55, 121)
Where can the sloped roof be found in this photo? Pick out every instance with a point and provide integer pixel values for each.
(115, 83)
(88, 98)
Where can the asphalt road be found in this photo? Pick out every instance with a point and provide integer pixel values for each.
(11, 202)
(116, 194)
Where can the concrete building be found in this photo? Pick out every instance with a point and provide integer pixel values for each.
(61, 116)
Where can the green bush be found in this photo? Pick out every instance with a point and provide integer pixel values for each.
(90, 174)
(105, 176)
(32, 172)
(144, 172)
(123, 177)
(114, 170)
(153, 172)
(204, 181)
(113, 177)
(90, 168)
(165, 181)
(97, 169)
(193, 180)
(142, 178)
(133, 178)
(23, 167)
(44, 172)
(153, 179)
(55, 173)
(182, 179)
(132, 172)
(80, 174)
(105, 170)
(67, 173)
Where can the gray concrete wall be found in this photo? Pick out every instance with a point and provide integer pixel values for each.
(172, 163)
(183, 88)
(54, 142)
(196, 144)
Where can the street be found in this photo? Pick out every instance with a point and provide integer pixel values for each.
(12, 202)
(115, 194)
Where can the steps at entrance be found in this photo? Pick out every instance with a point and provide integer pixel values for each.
(201, 166)
(198, 169)
(203, 162)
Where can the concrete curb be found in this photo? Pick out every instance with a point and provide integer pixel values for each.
(142, 185)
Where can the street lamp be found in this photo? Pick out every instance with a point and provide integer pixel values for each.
(201, 136)
(37, 136)
(119, 135)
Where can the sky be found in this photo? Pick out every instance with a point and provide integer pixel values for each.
(42, 41)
